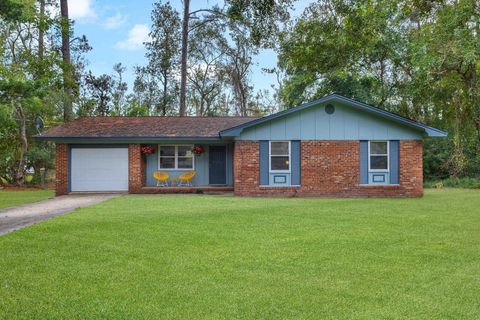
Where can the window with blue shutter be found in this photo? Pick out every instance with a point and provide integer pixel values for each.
(280, 163)
(379, 162)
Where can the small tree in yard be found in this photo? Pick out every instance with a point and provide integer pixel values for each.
(22, 100)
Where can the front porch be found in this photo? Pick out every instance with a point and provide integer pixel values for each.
(213, 167)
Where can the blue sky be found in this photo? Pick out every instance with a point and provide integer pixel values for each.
(117, 28)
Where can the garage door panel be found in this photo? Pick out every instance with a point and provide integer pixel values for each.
(99, 169)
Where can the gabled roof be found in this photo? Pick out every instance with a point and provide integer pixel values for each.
(126, 129)
(428, 131)
(134, 128)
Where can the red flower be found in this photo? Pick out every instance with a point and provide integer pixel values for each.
(198, 150)
(147, 149)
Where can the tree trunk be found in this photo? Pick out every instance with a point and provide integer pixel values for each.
(41, 31)
(23, 138)
(243, 99)
(183, 81)
(67, 66)
(165, 88)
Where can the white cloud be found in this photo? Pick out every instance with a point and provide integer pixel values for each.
(115, 21)
(81, 9)
(136, 37)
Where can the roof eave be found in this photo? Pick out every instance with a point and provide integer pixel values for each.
(435, 133)
(119, 139)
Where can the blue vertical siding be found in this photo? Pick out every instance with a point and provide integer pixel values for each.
(152, 165)
(264, 167)
(229, 164)
(296, 162)
(394, 162)
(344, 124)
(364, 162)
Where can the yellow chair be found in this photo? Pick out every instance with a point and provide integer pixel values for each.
(186, 178)
(161, 177)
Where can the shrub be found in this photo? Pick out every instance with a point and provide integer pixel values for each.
(465, 183)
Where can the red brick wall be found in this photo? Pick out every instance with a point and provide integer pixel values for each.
(329, 168)
(61, 169)
(136, 169)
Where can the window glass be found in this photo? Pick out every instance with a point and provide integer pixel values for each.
(167, 163)
(279, 156)
(176, 157)
(378, 155)
(185, 151)
(167, 151)
(378, 147)
(185, 163)
(279, 163)
(378, 162)
(279, 148)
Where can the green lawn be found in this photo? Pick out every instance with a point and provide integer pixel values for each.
(211, 257)
(12, 198)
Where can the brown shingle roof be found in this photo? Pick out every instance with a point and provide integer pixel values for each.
(137, 127)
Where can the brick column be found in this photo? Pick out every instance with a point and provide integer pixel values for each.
(61, 169)
(136, 169)
(246, 167)
(411, 167)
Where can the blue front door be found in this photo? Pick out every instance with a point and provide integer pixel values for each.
(217, 166)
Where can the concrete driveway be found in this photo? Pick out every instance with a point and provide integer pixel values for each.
(20, 217)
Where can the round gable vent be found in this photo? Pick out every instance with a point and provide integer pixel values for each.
(329, 109)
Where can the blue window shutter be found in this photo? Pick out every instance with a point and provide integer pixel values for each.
(264, 167)
(394, 162)
(364, 162)
(295, 162)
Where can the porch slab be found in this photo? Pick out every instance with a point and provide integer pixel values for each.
(194, 189)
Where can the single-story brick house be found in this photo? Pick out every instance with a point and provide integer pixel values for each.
(334, 146)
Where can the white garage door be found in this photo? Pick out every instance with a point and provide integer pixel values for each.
(99, 169)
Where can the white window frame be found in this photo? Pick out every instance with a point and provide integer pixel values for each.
(270, 157)
(176, 168)
(387, 154)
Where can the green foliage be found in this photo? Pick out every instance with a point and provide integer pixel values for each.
(464, 183)
(30, 85)
(163, 61)
(8, 142)
(418, 59)
(11, 10)
(101, 89)
(264, 18)
(40, 156)
(135, 109)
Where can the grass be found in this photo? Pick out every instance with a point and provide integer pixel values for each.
(13, 197)
(211, 257)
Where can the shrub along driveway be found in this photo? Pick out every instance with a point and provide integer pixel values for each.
(19, 217)
(212, 257)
